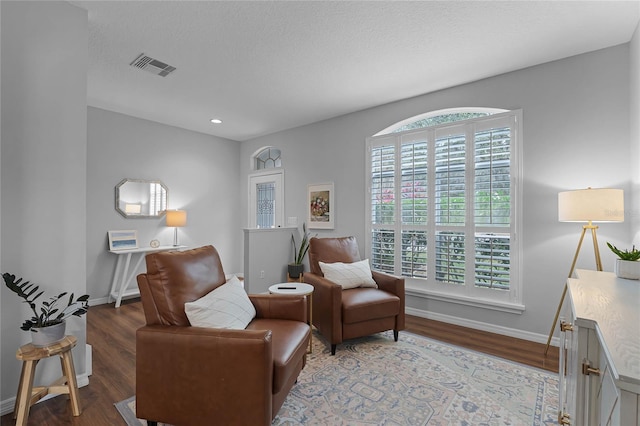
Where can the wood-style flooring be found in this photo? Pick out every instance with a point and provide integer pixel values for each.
(111, 332)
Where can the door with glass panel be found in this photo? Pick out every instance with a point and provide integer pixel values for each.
(266, 206)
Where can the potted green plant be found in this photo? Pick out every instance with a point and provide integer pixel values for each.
(296, 267)
(627, 264)
(48, 322)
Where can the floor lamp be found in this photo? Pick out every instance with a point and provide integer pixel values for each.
(587, 205)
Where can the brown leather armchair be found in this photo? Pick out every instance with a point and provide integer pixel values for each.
(346, 314)
(199, 376)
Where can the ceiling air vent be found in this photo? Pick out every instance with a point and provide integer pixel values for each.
(154, 66)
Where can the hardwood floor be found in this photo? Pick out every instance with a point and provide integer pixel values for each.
(111, 332)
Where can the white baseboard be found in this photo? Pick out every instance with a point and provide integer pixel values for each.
(99, 301)
(477, 325)
(89, 359)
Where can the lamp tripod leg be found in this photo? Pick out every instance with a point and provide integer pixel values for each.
(564, 291)
(555, 319)
(596, 251)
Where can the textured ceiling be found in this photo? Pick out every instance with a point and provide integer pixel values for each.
(267, 66)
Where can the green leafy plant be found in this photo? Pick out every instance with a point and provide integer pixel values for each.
(49, 313)
(632, 254)
(298, 255)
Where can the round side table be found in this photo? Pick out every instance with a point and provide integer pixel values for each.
(297, 289)
(28, 395)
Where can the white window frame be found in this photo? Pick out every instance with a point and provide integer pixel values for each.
(502, 300)
(267, 176)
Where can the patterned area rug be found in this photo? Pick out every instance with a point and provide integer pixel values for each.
(416, 381)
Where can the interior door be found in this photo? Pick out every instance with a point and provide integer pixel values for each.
(266, 200)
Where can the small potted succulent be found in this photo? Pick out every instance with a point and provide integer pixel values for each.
(296, 267)
(48, 324)
(627, 264)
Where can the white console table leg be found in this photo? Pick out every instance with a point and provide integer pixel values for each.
(114, 282)
(123, 274)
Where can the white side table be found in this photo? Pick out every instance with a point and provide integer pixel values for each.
(122, 277)
(297, 289)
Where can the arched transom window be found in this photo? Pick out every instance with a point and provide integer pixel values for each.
(268, 158)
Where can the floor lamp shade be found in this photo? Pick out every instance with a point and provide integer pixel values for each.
(591, 205)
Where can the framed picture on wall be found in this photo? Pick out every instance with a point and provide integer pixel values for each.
(123, 240)
(321, 208)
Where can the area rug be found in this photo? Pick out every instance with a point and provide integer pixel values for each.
(415, 381)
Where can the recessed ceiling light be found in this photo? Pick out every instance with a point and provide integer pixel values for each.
(216, 121)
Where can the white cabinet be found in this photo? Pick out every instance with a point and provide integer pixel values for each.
(600, 351)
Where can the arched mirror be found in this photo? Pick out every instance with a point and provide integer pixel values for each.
(139, 198)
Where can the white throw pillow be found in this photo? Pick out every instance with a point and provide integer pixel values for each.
(349, 275)
(228, 306)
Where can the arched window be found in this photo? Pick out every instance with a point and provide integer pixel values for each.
(266, 189)
(442, 116)
(268, 158)
(444, 204)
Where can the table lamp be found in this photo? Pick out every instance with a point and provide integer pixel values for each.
(176, 219)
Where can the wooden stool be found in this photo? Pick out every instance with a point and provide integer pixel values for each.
(28, 395)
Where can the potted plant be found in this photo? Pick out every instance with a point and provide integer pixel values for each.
(48, 323)
(627, 265)
(296, 267)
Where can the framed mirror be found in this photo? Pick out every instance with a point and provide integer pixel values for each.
(139, 198)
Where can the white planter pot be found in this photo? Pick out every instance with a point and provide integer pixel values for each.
(46, 336)
(629, 269)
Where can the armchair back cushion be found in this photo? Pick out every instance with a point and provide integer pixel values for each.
(331, 250)
(174, 278)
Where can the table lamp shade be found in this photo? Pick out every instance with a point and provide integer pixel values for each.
(176, 218)
(591, 205)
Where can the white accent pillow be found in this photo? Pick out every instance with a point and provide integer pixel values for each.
(228, 306)
(349, 275)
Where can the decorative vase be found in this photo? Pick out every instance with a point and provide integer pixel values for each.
(629, 269)
(45, 336)
(295, 269)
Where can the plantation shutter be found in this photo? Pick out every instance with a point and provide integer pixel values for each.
(382, 201)
(441, 204)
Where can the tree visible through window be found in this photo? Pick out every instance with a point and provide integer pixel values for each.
(442, 202)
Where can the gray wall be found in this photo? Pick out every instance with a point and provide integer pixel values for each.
(43, 169)
(576, 135)
(201, 174)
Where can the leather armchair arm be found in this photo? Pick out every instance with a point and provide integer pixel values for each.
(327, 306)
(390, 283)
(274, 306)
(394, 285)
(202, 360)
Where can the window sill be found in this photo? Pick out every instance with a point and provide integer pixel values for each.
(512, 308)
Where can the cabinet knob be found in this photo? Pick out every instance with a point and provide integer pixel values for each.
(588, 370)
(564, 419)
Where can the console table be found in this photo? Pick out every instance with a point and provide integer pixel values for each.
(600, 351)
(123, 275)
